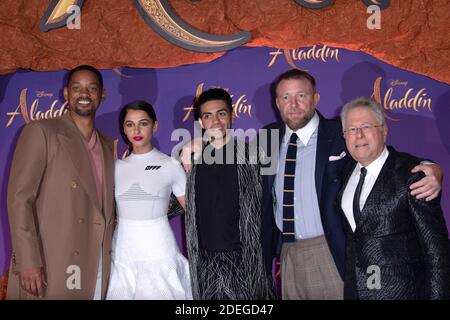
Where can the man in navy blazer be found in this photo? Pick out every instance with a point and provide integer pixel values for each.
(313, 257)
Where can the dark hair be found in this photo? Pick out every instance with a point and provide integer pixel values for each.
(295, 74)
(212, 94)
(135, 105)
(87, 68)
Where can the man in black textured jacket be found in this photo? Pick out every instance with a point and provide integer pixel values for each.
(397, 245)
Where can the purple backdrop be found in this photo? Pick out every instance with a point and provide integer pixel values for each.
(417, 105)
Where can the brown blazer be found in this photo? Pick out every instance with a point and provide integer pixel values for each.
(55, 216)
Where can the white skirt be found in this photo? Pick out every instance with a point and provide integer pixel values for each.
(147, 263)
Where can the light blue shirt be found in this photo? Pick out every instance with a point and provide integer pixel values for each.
(306, 206)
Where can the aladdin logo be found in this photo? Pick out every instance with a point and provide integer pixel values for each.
(323, 53)
(33, 113)
(412, 99)
(240, 106)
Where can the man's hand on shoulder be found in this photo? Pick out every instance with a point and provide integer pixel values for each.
(195, 147)
(430, 185)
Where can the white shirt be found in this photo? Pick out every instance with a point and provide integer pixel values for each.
(373, 170)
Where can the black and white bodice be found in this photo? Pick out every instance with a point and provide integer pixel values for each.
(144, 182)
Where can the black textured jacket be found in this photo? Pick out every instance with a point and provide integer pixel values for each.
(406, 238)
(252, 275)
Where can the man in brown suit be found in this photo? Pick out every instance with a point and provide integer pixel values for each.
(60, 200)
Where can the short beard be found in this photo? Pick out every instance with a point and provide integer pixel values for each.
(83, 113)
(295, 125)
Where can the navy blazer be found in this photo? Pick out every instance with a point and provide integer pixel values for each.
(328, 178)
(404, 237)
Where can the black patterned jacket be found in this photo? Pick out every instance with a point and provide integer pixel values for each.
(406, 238)
(257, 282)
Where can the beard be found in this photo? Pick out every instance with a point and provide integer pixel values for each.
(83, 111)
(298, 123)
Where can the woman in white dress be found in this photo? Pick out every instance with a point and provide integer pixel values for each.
(146, 261)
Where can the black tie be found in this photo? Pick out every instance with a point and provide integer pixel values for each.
(356, 209)
(288, 191)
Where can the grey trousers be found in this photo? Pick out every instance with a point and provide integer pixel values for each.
(308, 271)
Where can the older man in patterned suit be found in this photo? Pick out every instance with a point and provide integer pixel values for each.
(397, 245)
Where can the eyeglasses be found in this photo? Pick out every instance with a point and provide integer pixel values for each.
(364, 129)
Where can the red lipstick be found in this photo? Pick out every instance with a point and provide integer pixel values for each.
(137, 138)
